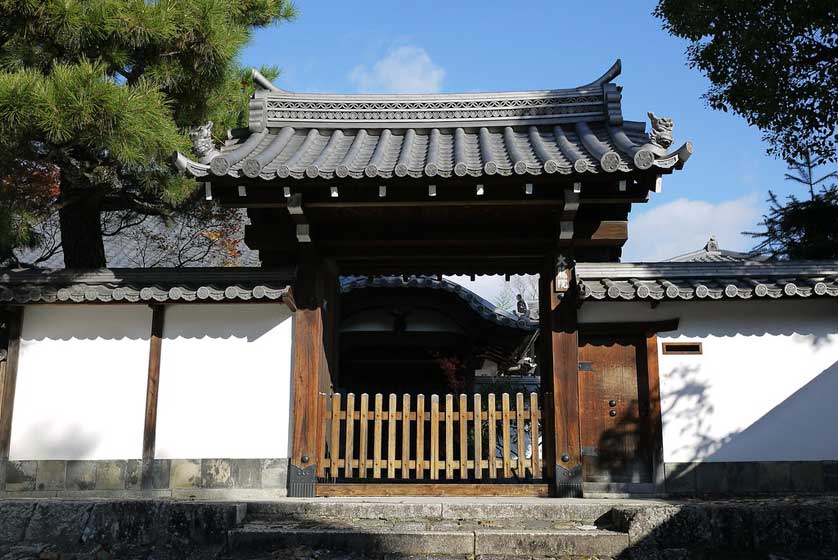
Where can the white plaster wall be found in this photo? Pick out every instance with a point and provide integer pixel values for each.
(225, 381)
(81, 382)
(765, 387)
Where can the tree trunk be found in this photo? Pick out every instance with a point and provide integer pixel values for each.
(81, 233)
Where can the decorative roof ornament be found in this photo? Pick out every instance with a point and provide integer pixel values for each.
(712, 245)
(202, 143)
(661, 134)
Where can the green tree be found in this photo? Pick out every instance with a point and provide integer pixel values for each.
(803, 173)
(102, 92)
(774, 62)
(802, 229)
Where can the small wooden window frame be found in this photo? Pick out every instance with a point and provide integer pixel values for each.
(683, 348)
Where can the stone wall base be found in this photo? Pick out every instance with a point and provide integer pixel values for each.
(162, 529)
(214, 479)
(751, 478)
(264, 479)
(730, 529)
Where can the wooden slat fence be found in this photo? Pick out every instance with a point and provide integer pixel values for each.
(455, 438)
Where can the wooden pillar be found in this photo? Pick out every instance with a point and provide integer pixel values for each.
(158, 314)
(545, 368)
(308, 361)
(655, 417)
(8, 382)
(315, 292)
(559, 365)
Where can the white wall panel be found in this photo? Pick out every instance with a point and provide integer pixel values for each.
(81, 382)
(225, 381)
(765, 387)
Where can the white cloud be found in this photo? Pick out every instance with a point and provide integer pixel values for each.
(404, 69)
(683, 225)
(665, 231)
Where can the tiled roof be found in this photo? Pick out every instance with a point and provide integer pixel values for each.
(711, 252)
(569, 131)
(707, 280)
(483, 307)
(150, 285)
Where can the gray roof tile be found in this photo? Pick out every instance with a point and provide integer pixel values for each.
(301, 135)
(711, 252)
(149, 285)
(707, 280)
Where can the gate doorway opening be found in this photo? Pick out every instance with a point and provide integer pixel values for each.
(424, 335)
(436, 386)
(433, 392)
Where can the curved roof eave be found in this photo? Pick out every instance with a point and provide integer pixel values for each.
(480, 305)
(574, 131)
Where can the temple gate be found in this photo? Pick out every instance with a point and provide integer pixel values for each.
(494, 183)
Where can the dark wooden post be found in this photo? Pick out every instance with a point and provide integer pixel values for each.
(655, 418)
(7, 388)
(158, 314)
(308, 361)
(315, 292)
(559, 365)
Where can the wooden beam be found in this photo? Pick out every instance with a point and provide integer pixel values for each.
(655, 416)
(418, 489)
(560, 362)
(7, 388)
(158, 314)
(439, 203)
(344, 241)
(601, 230)
(569, 209)
(301, 225)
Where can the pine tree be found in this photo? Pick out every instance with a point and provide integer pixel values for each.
(804, 173)
(101, 92)
(802, 229)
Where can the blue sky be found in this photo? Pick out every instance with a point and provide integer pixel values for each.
(471, 45)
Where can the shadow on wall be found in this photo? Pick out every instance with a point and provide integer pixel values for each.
(47, 439)
(133, 322)
(86, 322)
(810, 320)
(807, 418)
(688, 402)
(243, 321)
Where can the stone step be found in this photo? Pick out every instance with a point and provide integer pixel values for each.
(433, 525)
(397, 541)
(583, 511)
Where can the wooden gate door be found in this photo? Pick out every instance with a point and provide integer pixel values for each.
(614, 409)
(468, 444)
